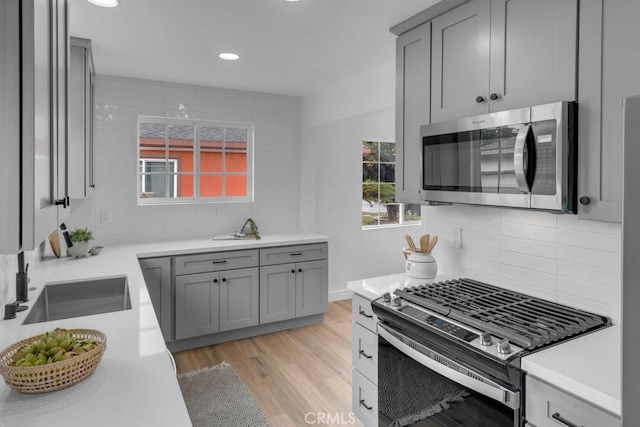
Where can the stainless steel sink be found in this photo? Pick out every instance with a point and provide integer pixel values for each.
(63, 300)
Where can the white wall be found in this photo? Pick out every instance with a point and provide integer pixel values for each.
(335, 122)
(277, 168)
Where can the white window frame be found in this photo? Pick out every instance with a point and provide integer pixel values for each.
(198, 124)
(175, 175)
(401, 206)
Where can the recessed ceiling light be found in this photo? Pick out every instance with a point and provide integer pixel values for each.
(291, 0)
(228, 56)
(104, 3)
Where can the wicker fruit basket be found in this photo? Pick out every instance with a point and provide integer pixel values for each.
(54, 376)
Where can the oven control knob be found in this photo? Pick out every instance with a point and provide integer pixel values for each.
(485, 339)
(386, 297)
(397, 301)
(504, 347)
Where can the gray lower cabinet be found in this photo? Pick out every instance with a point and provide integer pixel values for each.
(207, 303)
(239, 293)
(197, 304)
(200, 297)
(293, 290)
(157, 276)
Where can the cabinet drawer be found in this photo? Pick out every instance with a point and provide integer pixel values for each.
(285, 254)
(545, 403)
(364, 395)
(216, 261)
(365, 352)
(362, 313)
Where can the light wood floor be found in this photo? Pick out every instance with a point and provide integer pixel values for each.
(295, 374)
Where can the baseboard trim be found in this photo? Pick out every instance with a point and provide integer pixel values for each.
(340, 295)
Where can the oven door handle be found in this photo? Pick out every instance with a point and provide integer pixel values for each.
(486, 387)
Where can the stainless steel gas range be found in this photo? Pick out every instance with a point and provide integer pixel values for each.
(449, 352)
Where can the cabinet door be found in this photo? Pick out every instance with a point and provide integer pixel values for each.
(460, 62)
(197, 302)
(277, 293)
(80, 118)
(608, 73)
(239, 295)
(533, 52)
(60, 113)
(9, 127)
(413, 57)
(39, 165)
(157, 276)
(312, 287)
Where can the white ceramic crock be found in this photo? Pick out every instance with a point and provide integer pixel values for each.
(421, 266)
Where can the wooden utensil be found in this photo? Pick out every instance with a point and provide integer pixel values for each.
(410, 242)
(432, 244)
(54, 241)
(424, 243)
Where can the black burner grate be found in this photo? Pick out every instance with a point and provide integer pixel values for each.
(525, 320)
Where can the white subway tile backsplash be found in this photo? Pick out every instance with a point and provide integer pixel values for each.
(529, 232)
(530, 262)
(529, 247)
(584, 239)
(556, 257)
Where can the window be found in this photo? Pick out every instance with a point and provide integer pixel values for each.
(379, 207)
(194, 161)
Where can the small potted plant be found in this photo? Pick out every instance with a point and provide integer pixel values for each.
(81, 238)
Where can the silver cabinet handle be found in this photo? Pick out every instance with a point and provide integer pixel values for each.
(368, 316)
(368, 356)
(564, 421)
(362, 403)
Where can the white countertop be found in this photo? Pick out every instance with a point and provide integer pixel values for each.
(588, 367)
(135, 383)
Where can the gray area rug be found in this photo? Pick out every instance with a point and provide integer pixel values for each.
(215, 396)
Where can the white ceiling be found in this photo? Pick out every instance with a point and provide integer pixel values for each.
(285, 47)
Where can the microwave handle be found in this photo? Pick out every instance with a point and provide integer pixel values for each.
(519, 159)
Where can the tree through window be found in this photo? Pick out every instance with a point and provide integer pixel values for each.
(379, 206)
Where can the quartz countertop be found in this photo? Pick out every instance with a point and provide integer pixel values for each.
(588, 366)
(135, 383)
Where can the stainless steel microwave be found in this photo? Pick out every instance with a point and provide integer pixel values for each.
(524, 158)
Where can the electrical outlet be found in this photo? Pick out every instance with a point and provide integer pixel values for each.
(216, 212)
(456, 238)
(105, 216)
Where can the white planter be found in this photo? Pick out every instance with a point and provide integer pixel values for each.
(79, 249)
(421, 266)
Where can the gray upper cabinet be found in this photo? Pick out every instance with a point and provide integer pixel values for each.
(608, 72)
(413, 57)
(81, 106)
(493, 55)
(35, 37)
(460, 61)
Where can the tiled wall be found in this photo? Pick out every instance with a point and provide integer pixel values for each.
(556, 257)
(277, 123)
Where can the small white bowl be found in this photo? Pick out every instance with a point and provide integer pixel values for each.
(95, 250)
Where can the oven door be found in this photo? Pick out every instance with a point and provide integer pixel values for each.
(419, 387)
